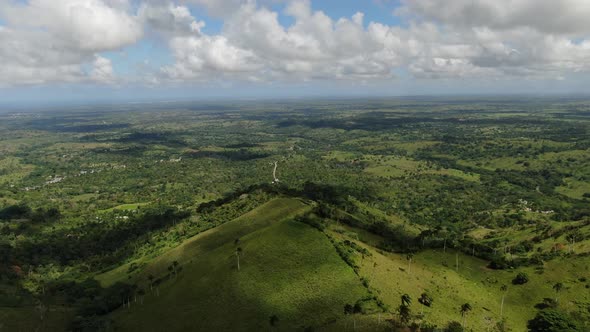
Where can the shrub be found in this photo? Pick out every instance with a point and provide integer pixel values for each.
(454, 326)
(552, 321)
(521, 279)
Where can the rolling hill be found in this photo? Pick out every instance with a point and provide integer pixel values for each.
(288, 270)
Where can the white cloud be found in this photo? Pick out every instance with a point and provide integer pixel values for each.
(547, 16)
(499, 38)
(314, 47)
(102, 70)
(226, 8)
(443, 39)
(58, 40)
(89, 25)
(52, 40)
(169, 19)
(204, 57)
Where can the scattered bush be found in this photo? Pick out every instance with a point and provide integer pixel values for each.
(454, 326)
(520, 279)
(552, 321)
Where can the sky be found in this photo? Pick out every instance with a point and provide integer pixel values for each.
(133, 50)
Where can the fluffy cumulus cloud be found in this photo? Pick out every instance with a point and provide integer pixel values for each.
(255, 45)
(57, 40)
(441, 39)
(65, 40)
(169, 19)
(102, 70)
(547, 16)
(499, 38)
(220, 8)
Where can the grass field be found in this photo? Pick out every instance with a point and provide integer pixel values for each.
(13, 170)
(400, 166)
(287, 269)
(256, 219)
(574, 188)
(291, 270)
(126, 207)
(435, 272)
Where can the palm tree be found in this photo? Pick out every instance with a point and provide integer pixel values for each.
(373, 272)
(141, 294)
(273, 320)
(405, 314)
(238, 252)
(174, 266)
(465, 308)
(571, 242)
(406, 300)
(409, 257)
(349, 310)
(151, 280)
(404, 309)
(504, 288)
(557, 288)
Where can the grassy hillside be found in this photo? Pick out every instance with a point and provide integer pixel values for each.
(291, 271)
(265, 215)
(287, 269)
(435, 272)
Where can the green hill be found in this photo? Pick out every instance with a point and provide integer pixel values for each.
(293, 272)
(435, 272)
(287, 269)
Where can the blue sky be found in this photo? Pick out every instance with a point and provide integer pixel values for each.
(101, 50)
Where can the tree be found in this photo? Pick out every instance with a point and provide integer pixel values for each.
(502, 326)
(454, 326)
(557, 288)
(406, 300)
(571, 238)
(504, 289)
(273, 320)
(552, 321)
(175, 266)
(41, 309)
(425, 299)
(141, 294)
(238, 253)
(357, 308)
(409, 257)
(521, 279)
(465, 308)
(404, 311)
(151, 280)
(350, 310)
(405, 314)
